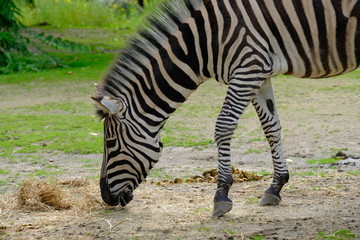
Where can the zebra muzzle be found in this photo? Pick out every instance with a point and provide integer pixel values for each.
(123, 198)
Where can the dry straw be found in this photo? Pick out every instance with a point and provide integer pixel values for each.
(40, 195)
(84, 195)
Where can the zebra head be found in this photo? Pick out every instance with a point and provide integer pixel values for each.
(129, 152)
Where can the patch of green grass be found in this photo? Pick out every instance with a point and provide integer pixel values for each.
(88, 165)
(82, 13)
(350, 88)
(313, 172)
(159, 173)
(92, 177)
(249, 151)
(248, 114)
(338, 149)
(326, 89)
(257, 139)
(3, 171)
(183, 138)
(229, 231)
(351, 75)
(291, 187)
(314, 188)
(355, 173)
(263, 172)
(49, 133)
(203, 229)
(80, 67)
(310, 173)
(203, 210)
(257, 237)
(323, 161)
(342, 234)
(48, 170)
(250, 201)
(111, 39)
(3, 182)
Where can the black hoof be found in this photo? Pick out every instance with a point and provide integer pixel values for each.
(222, 203)
(269, 200)
(222, 207)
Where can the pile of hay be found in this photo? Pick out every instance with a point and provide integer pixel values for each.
(211, 176)
(39, 195)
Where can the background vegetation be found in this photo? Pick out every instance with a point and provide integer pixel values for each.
(25, 43)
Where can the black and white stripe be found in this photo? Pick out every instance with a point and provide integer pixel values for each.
(242, 43)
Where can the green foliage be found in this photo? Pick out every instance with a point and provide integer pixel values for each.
(29, 63)
(9, 32)
(15, 40)
(8, 18)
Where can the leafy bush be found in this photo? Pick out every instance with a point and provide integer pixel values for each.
(9, 32)
(15, 40)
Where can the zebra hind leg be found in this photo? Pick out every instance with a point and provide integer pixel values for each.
(264, 104)
(239, 95)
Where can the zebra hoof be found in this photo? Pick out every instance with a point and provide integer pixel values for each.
(269, 200)
(222, 207)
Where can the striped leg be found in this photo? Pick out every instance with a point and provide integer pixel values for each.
(239, 95)
(264, 103)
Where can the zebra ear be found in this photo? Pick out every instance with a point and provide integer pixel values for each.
(109, 104)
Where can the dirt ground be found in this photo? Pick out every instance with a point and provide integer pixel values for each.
(322, 202)
(318, 198)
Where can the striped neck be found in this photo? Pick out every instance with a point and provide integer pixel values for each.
(160, 68)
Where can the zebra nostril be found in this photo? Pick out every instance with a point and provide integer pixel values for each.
(125, 197)
(106, 194)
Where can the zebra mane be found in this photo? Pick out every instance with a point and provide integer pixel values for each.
(156, 31)
(162, 23)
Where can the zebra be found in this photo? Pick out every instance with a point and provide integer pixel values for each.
(240, 43)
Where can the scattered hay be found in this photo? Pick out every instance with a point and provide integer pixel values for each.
(211, 176)
(84, 195)
(78, 194)
(39, 195)
(75, 182)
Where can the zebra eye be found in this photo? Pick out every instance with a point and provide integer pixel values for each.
(110, 142)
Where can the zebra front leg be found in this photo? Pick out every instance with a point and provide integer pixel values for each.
(239, 95)
(264, 103)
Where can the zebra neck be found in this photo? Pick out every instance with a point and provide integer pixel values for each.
(162, 65)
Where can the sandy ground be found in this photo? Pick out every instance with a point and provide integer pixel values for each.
(324, 200)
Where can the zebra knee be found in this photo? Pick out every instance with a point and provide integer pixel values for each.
(224, 132)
